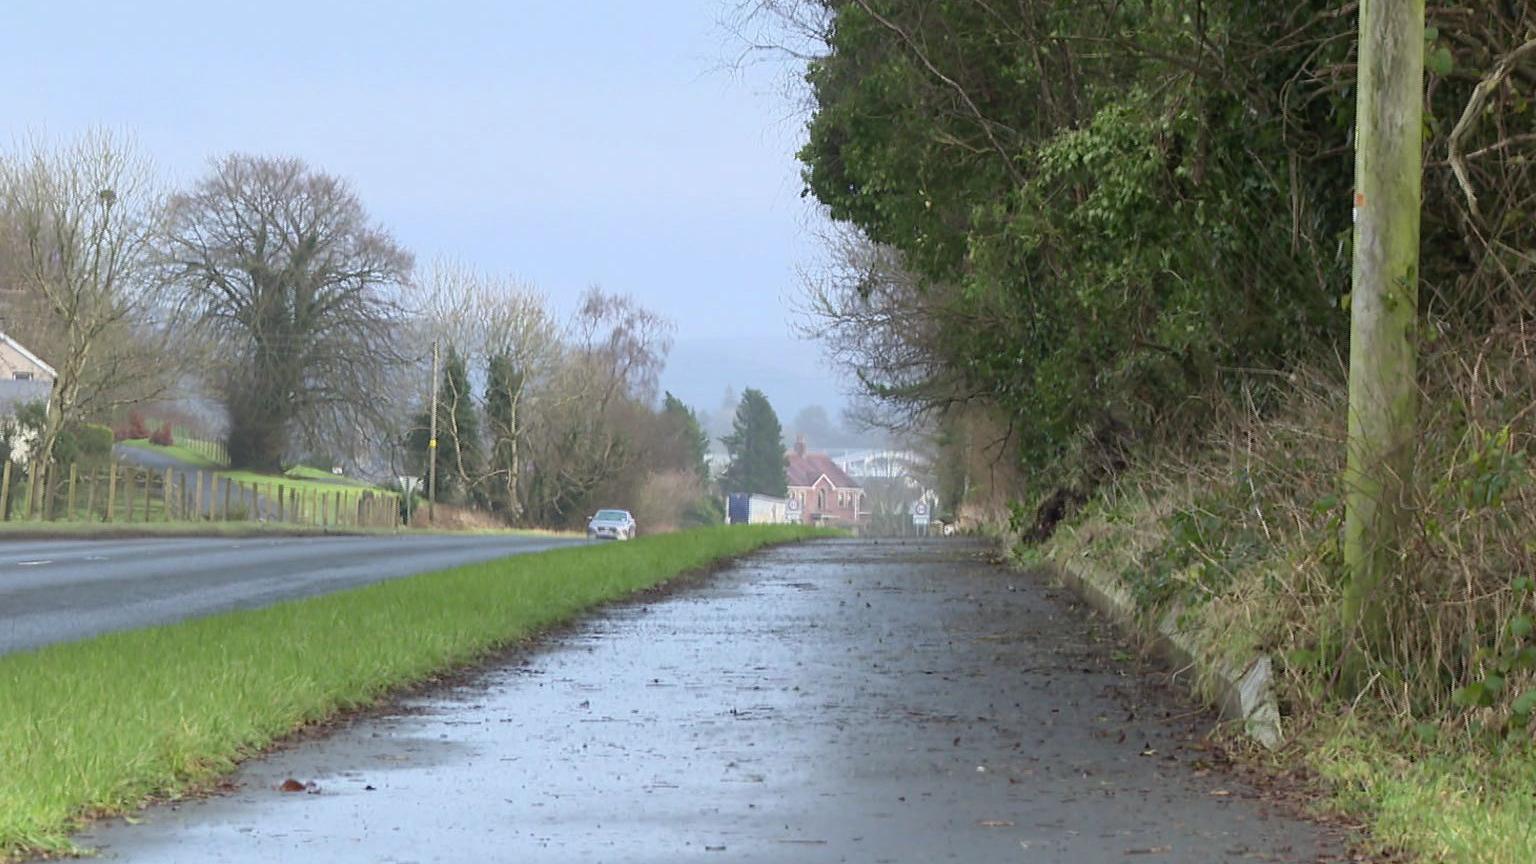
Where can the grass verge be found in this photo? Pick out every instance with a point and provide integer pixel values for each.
(303, 479)
(304, 472)
(1459, 800)
(104, 725)
(1238, 535)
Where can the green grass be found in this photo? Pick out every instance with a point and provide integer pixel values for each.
(104, 725)
(312, 492)
(304, 472)
(1465, 801)
(306, 482)
(306, 479)
(146, 507)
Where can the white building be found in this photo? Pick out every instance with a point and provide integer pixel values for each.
(24, 377)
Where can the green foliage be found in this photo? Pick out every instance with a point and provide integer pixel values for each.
(1119, 218)
(1103, 244)
(1203, 549)
(704, 511)
(93, 443)
(683, 440)
(503, 386)
(86, 444)
(756, 448)
(1512, 656)
(458, 451)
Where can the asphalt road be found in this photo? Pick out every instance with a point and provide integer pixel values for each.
(837, 701)
(62, 590)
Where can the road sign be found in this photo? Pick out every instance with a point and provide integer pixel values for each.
(409, 485)
(920, 514)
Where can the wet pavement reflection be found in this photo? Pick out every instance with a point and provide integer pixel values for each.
(856, 701)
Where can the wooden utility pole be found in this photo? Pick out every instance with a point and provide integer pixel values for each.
(432, 444)
(1383, 387)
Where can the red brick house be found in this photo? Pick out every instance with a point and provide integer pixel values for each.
(825, 494)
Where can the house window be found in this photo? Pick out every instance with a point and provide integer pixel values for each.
(21, 376)
(821, 499)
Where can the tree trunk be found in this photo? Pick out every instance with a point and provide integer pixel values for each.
(514, 503)
(1383, 393)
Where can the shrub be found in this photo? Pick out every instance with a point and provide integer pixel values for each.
(705, 510)
(93, 443)
(162, 436)
(663, 500)
(136, 428)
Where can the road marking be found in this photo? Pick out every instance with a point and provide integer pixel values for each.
(31, 563)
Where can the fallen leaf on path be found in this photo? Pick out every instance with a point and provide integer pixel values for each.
(291, 785)
(995, 823)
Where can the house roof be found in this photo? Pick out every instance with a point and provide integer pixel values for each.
(805, 469)
(21, 349)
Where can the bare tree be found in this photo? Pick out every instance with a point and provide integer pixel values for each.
(281, 266)
(78, 220)
(590, 420)
(505, 330)
(884, 327)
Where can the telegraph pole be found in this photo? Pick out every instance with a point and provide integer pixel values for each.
(432, 444)
(1383, 386)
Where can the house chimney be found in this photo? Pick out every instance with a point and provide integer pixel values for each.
(800, 445)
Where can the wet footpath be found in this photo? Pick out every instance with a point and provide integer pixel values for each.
(858, 701)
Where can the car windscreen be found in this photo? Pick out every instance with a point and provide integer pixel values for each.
(611, 514)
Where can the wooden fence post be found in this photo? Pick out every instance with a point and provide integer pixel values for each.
(5, 490)
(227, 484)
(35, 487)
(133, 493)
(166, 487)
(111, 490)
(44, 478)
(197, 495)
(26, 503)
(74, 477)
(90, 497)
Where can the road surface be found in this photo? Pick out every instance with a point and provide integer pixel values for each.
(62, 590)
(842, 701)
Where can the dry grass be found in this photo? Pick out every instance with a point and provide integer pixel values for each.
(1242, 534)
(664, 500)
(1245, 530)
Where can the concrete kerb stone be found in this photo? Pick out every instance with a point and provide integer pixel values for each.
(1241, 692)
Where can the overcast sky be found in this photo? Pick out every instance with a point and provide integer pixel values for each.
(566, 143)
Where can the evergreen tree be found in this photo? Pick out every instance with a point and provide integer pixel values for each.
(756, 447)
(503, 391)
(685, 442)
(458, 453)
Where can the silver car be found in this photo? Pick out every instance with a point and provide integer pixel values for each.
(611, 525)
